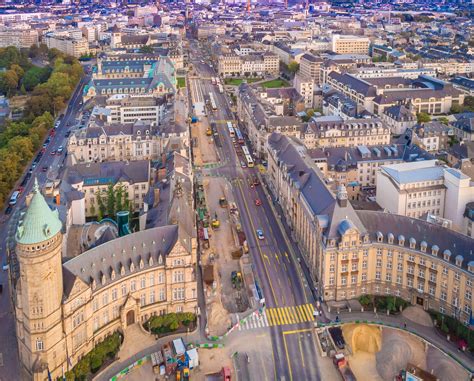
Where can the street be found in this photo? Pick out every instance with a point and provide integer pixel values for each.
(294, 353)
(9, 362)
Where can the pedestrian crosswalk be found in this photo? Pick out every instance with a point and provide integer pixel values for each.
(278, 316)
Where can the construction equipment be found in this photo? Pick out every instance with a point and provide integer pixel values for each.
(236, 278)
(215, 222)
(223, 202)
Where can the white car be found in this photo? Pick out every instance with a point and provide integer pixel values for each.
(260, 234)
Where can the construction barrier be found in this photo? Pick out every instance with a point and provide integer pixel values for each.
(130, 367)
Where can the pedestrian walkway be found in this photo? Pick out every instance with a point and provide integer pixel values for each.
(278, 316)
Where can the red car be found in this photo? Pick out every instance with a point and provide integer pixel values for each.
(53, 153)
(52, 132)
(20, 189)
(258, 202)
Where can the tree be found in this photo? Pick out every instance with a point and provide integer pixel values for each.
(423, 117)
(18, 70)
(443, 120)
(469, 102)
(10, 80)
(146, 49)
(456, 109)
(111, 201)
(119, 198)
(293, 67)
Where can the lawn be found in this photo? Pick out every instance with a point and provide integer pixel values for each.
(238, 81)
(275, 83)
(181, 82)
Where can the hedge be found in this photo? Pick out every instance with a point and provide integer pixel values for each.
(169, 322)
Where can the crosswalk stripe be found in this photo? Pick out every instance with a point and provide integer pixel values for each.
(265, 320)
(304, 313)
(282, 316)
(291, 319)
(271, 318)
(309, 308)
(301, 313)
(268, 315)
(293, 311)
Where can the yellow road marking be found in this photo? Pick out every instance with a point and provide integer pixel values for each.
(258, 245)
(287, 316)
(310, 310)
(288, 358)
(295, 314)
(276, 256)
(293, 320)
(296, 331)
(282, 315)
(276, 317)
(301, 351)
(303, 313)
(269, 317)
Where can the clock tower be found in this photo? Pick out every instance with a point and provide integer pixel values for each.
(38, 301)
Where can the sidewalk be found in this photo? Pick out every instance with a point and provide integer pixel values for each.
(428, 333)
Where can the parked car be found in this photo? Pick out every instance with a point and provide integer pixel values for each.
(260, 234)
(44, 169)
(8, 210)
(258, 202)
(53, 153)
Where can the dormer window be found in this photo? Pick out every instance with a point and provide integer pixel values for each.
(132, 267)
(112, 274)
(401, 240)
(412, 243)
(93, 284)
(122, 270)
(160, 259)
(141, 264)
(459, 259)
(434, 250)
(379, 237)
(150, 261)
(446, 255)
(102, 279)
(390, 238)
(470, 267)
(423, 246)
(366, 238)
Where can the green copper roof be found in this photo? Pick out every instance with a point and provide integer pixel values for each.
(39, 223)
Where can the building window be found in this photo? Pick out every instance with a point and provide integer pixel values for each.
(133, 285)
(468, 294)
(124, 289)
(421, 273)
(457, 276)
(389, 265)
(161, 295)
(95, 304)
(96, 323)
(178, 293)
(388, 277)
(379, 262)
(331, 281)
(410, 282)
(432, 290)
(399, 279)
(364, 277)
(106, 317)
(364, 265)
(152, 279)
(344, 268)
(354, 266)
(354, 279)
(443, 295)
(142, 300)
(142, 282)
(39, 345)
(152, 296)
(105, 298)
(331, 268)
(161, 277)
(377, 275)
(178, 276)
(115, 312)
(114, 294)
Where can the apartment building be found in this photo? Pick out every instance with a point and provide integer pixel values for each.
(432, 136)
(93, 179)
(398, 118)
(310, 67)
(72, 46)
(115, 142)
(353, 253)
(263, 114)
(421, 187)
(127, 108)
(336, 132)
(345, 44)
(305, 87)
(64, 309)
(132, 65)
(255, 64)
(18, 37)
(356, 167)
(464, 127)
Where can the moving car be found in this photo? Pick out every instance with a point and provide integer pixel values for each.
(242, 164)
(53, 153)
(60, 149)
(44, 169)
(260, 234)
(258, 202)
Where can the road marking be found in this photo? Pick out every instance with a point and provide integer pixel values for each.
(290, 316)
(301, 351)
(280, 315)
(292, 332)
(295, 314)
(276, 256)
(300, 313)
(269, 316)
(263, 366)
(310, 311)
(287, 358)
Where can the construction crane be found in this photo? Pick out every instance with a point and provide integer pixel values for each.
(248, 6)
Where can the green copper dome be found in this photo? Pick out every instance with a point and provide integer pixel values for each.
(39, 223)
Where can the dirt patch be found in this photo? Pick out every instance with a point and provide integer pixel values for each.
(211, 361)
(417, 315)
(363, 338)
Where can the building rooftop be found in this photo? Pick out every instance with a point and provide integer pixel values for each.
(405, 173)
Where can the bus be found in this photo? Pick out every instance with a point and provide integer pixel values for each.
(248, 157)
(212, 101)
(231, 129)
(240, 137)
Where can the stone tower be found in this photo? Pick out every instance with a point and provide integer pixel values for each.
(40, 289)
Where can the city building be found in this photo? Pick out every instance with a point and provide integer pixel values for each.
(417, 188)
(18, 37)
(310, 67)
(93, 179)
(305, 87)
(337, 132)
(398, 118)
(432, 136)
(353, 253)
(345, 44)
(72, 46)
(254, 64)
(464, 127)
(115, 142)
(64, 309)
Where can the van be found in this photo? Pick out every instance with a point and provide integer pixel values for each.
(14, 198)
